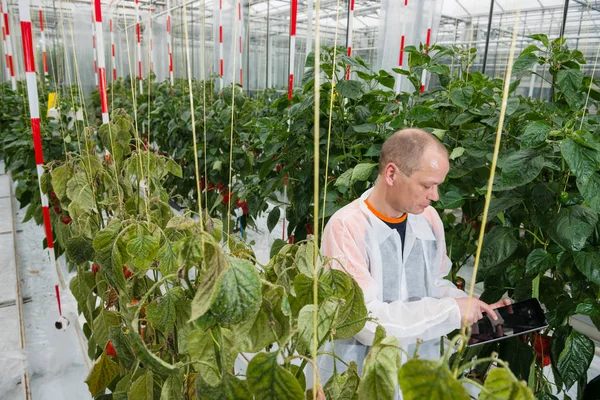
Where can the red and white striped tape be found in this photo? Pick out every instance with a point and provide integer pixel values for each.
(424, 73)
(150, 39)
(293, 19)
(221, 63)
(6, 69)
(8, 47)
(170, 43)
(43, 41)
(139, 43)
(240, 30)
(113, 55)
(349, 38)
(101, 60)
(94, 46)
(34, 111)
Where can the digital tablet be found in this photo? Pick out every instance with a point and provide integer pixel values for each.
(516, 319)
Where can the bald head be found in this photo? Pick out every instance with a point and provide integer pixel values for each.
(406, 147)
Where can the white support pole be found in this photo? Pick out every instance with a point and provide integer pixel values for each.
(170, 43)
(9, 54)
(139, 43)
(221, 63)
(240, 30)
(101, 61)
(113, 56)
(94, 46)
(43, 41)
(349, 34)
(34, 111)
(4, 46)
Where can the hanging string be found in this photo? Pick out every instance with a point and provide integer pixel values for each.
(204, 102)
(316, 197)
(333, 81)
(195, 144)
(488, 196)
(229, 192)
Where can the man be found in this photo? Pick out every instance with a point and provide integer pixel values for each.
(392, 242)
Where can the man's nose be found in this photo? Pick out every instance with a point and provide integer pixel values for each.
(433, 194)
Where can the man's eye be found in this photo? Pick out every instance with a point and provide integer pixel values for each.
(427, 187)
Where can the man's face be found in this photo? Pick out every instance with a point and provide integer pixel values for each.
(414, 193)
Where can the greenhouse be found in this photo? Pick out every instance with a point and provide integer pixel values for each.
(314, 199)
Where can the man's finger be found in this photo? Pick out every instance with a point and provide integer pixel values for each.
(489, 310)
(501, 303)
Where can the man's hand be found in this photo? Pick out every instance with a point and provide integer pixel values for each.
(477, 309)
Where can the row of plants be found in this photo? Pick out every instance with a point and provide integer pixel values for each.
(171, 301)
(542, 236)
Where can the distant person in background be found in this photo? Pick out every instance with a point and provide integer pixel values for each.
(392, 242)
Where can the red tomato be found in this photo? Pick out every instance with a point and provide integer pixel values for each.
(243, 205)
(95, 268)
(110, 350)
(66, 220)
(128, 273)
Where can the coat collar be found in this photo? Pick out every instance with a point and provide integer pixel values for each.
(418, 225)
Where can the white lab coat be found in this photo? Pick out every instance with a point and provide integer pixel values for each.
(406, 292)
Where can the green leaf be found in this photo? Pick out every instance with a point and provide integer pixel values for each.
(79, 192)
(180, 223)
(162, 312)
(174, 168)
(167, 259)
(305, 259)
(425, 379)
(111, 255)
(575, 359)
(79, 249)
(143, 387)
(349, 88)
(498, 245)
(273, 218)
(102, 373)
(344, 179)
(538, 262)
(501, 204)
(501, 384)
(589, 265)
(344, 386)
(172, 388)
(325, 321)
(362, 172)
(269, 381)
(303, 286)
(573, 225)
(365, 128)
(535, 134)
(122, 346)
(542, 38)
(60, 177)
(143, 249)
(462, 97)
(239, 296)
(380, 371)
(352, 314)
(457, 152)
(589, 189)
(210, 280)
(524, 62)
(521, 167)
(276, 247)
(583, 161)
(422, 113)
(102, 323)
(512, 104)
(569, 81)
(589, 307)
(462, 118)
(201, 347)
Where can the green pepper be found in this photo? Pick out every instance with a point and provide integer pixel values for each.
(563, 198)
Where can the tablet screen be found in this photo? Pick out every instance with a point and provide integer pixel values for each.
(516, 319)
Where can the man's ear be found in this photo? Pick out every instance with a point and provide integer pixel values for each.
(389, 173)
